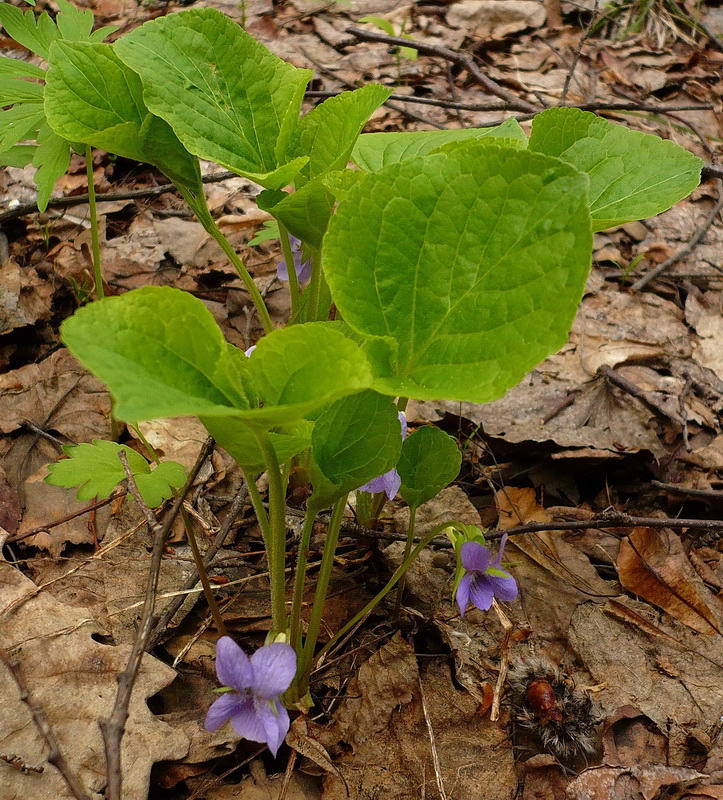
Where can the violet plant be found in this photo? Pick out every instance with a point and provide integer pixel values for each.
(452, 262)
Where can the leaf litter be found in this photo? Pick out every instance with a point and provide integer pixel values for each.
(632, 617)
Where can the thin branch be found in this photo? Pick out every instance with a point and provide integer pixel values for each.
(113, 728)
(635, 391)
(463, 60)
(172, 608)
(695, 240)
(578, 53)
(55, 755)
(78, 199)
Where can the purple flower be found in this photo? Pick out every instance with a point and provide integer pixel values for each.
(254, 707)
(250, 350)
(303, 268)
(484, 580)
(390, 481)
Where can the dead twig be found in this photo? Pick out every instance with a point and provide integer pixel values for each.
(697, 237)
(16, 537)
(635, 391)
(504, 660)
(578, 53)
(172, 608)
(432, 742)
(463, 60)
(55, 755)
(705, 494)
(113, 728)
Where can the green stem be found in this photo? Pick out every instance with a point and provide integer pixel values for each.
(201, 210)
(300, 576)
(276, 541)
(291, 269)
(149, 447)
(382, 593)
(407, 549)
(94, 235)
(314, 290)
(202, 574)
(258, 505)
(322, 587)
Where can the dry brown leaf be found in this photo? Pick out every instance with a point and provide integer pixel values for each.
(652, 564)
(495, 19)
(72, 677)
(705, 313)
(645, 781)
(391, 745)
(677, 684)
(24, 297)
(58, 395)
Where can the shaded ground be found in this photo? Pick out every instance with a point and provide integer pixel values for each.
(626, 418)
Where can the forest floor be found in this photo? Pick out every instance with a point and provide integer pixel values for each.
(624, 422)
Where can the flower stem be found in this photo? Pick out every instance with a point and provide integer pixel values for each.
(94, 235)
(384, 591)
(276, 540)
(203, 575)
(322, 587)
(314, 290)
(198, 204)
(300, 577)
(258, 505)
(407, 549)
(291, 269)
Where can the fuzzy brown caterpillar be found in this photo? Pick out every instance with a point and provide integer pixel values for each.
(546, 703)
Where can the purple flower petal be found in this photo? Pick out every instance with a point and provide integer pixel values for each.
(221, 710)
(403, 421)
(475, 556)
(275, 720)
(463, 592)
(250, 350)
(481, 592)
(282, 271)
(505, 589)
(246, 722)
(232, 665)
(388, 483)
(274, 667)
(303, 272)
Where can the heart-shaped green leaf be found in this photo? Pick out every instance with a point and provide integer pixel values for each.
(376, 150)
(468, 264)
(159, 351)
(633, 175)
(354, 440)
(429, 462)
(91, 96)
(226, 96)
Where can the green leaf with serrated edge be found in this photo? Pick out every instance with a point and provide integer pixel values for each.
(226, 96)
(328, 133)
(238, 440)
(160, 352)
(376, 150)
(16, 68)
(19, 156)
(160, 482)
(633, 175)
(429, 462)
(354, 440)
(52, 158)
(15, 90)
(92, 97)
(19, 122)
(471, 263)
(96, 470)
(35, 33)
